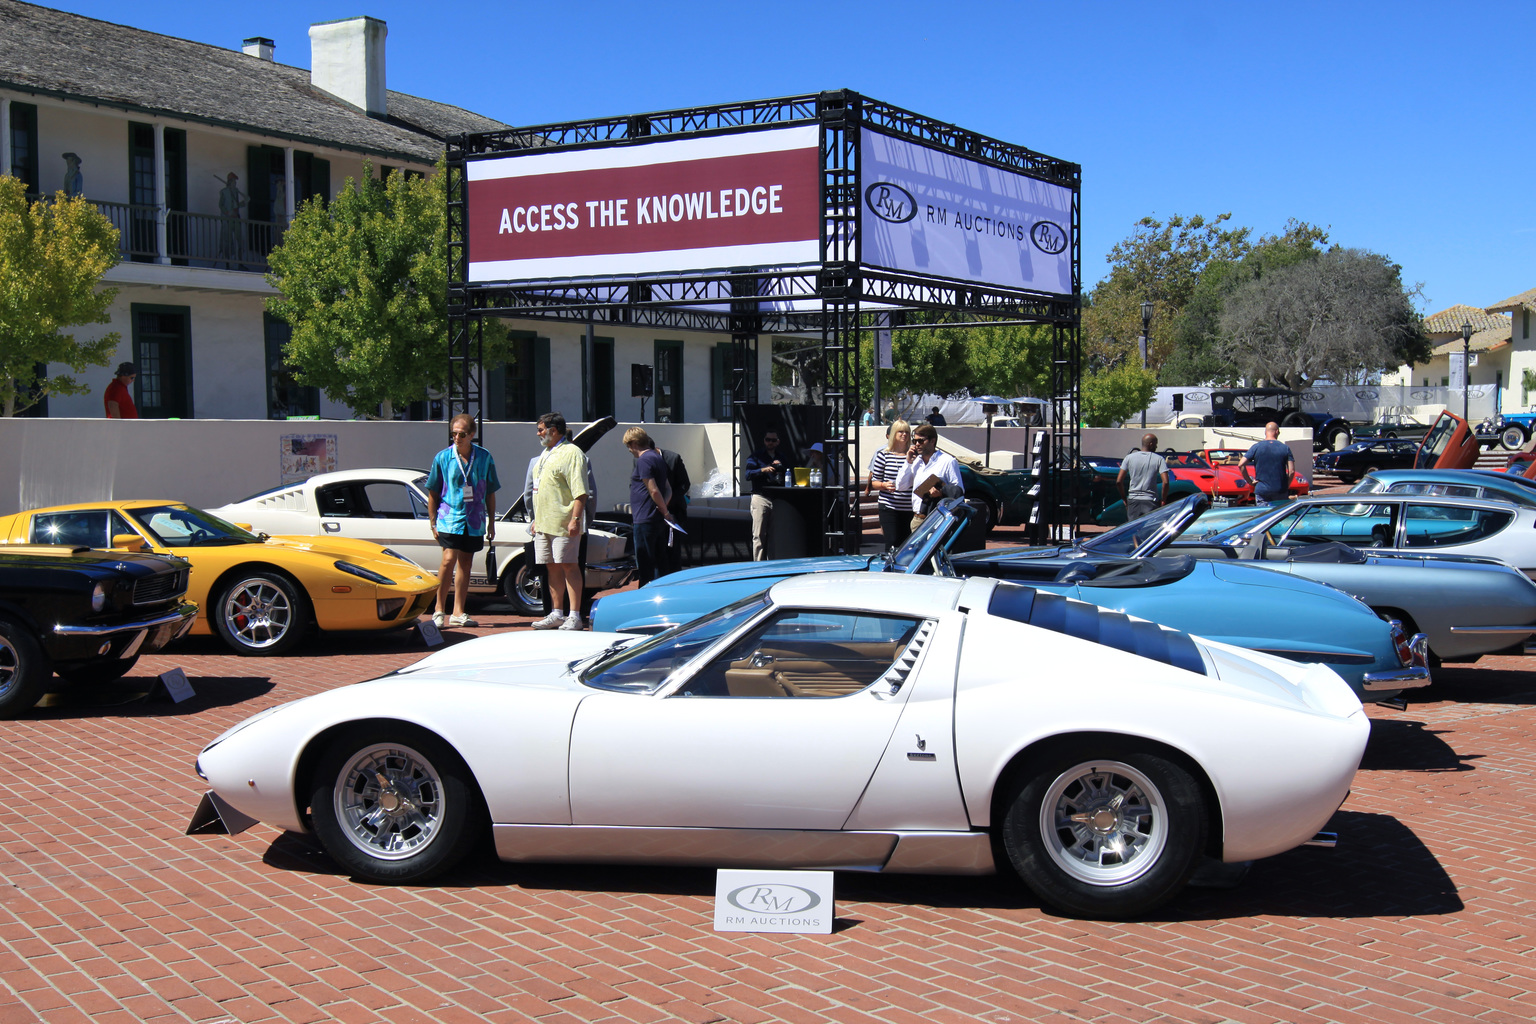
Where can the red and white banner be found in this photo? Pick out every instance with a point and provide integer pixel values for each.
(745, 199)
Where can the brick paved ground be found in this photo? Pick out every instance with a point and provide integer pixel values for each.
(109, 913)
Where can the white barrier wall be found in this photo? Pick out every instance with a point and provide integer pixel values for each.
(212, 462)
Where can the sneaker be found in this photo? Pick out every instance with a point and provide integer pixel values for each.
(550, 621)
(437, 619)
(462, 622)
(573, 622)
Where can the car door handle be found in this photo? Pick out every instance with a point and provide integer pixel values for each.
(330, 526)
(760, 660)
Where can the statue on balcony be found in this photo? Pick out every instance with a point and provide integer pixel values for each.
(231, 201)
(74, 181)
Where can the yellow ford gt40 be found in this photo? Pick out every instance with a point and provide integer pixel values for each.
(259, 594)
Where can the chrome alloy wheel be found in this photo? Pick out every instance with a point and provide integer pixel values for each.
(10, 667)
(389, 801)
(257, 613)
(1104, 822)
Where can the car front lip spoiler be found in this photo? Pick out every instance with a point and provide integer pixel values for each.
(185, 612)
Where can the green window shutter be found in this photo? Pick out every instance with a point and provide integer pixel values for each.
(541, 390)
(24, 146)
(320, 179)
(258, 163)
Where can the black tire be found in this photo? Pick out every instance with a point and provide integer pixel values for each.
(259, 614)
(1338, 438)
(1351, 478)
(1296, 419)
(1120, 795)
(94, 673)
(392, 803)
(1513, 437)
(522, 588)
(24, 669)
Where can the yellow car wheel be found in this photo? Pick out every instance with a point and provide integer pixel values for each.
(259, 613)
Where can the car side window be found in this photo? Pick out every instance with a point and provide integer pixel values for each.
(807, 653)
(77, 529)
(336, 501)
(1433, 526)
(390, 500)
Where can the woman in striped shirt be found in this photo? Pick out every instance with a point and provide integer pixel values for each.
(895, 506)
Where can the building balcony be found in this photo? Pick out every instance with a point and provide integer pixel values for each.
(153, 234)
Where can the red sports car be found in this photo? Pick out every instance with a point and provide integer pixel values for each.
(1214, 471)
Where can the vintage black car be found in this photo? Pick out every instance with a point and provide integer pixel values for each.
(1255, 407)
(87, 615)
(1354, 461)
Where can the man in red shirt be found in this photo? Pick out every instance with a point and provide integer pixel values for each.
(119, 396)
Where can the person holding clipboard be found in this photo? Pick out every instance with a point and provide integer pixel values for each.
(930, 474)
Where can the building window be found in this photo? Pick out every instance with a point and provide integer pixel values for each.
(1525, 323)
(669, 382)
(162, 348)
(286, 397)
(24, 145)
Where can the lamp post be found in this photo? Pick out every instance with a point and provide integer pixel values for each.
(1466, 365)
(1146, 345)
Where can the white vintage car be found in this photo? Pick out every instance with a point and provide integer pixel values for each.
(389, 507)
(841, 720)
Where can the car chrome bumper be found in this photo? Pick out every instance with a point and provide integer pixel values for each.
(1411, 676)
(185, 614)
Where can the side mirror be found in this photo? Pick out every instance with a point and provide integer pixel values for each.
(128, 542)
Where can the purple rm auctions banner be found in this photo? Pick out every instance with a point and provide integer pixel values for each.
(932, 213)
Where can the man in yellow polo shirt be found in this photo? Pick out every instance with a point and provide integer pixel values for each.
(559, 519)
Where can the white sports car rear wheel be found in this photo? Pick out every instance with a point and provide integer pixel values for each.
(1105, 837)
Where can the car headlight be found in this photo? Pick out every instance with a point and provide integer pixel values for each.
(361, 573)
(98, 598)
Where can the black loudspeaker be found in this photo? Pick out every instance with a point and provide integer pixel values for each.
(1178, 401)
(642, 380)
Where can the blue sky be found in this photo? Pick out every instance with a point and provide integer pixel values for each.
(1405, 127)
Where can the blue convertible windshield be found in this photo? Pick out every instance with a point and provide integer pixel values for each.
(643, 667)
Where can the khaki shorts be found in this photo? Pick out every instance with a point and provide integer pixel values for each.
(560, 550)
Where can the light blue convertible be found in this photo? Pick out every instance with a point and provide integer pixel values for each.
(1245, 605)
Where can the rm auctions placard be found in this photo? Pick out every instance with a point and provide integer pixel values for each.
(929, 212)
(773, 901)
(741, 199)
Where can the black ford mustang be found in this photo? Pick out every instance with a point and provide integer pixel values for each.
(84, 614)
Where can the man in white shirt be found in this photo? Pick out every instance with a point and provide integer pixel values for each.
(924, 462)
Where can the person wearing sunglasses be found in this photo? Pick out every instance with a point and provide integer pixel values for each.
(766, 467)
(931, 475)
(461, 506)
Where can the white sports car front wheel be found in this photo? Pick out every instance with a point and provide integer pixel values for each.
(1110, 836)
(394, 804)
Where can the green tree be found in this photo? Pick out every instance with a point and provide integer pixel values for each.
(1115, 395)
(52, 255)
(1195, 356)
(364, 283)
(1161, 261)
(1338, 316)
(998, 359)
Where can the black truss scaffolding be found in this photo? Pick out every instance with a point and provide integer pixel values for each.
(837, 300)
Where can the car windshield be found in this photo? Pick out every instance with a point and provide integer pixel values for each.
(644, 667)
(1126, 538)
(910, 554)
(182, 526)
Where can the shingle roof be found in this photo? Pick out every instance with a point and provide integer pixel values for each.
(1526, 300)
(65, 55)
(1482, 341)
(1449, 321)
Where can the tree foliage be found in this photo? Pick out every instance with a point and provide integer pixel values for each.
(1335, 316)
(1161, 261)
(996, 359)
(364, 287)
(52, 255)
(1195, 354)
(1115, 395)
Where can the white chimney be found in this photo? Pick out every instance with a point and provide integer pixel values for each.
(256, 46)
(346, 59)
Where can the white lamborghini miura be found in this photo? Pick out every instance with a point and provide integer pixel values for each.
(839, 720)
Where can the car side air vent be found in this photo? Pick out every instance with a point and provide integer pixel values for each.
(896, 675)
(1097, 625)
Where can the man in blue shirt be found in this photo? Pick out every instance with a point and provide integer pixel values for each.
(649, 492)
(1273, 464)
